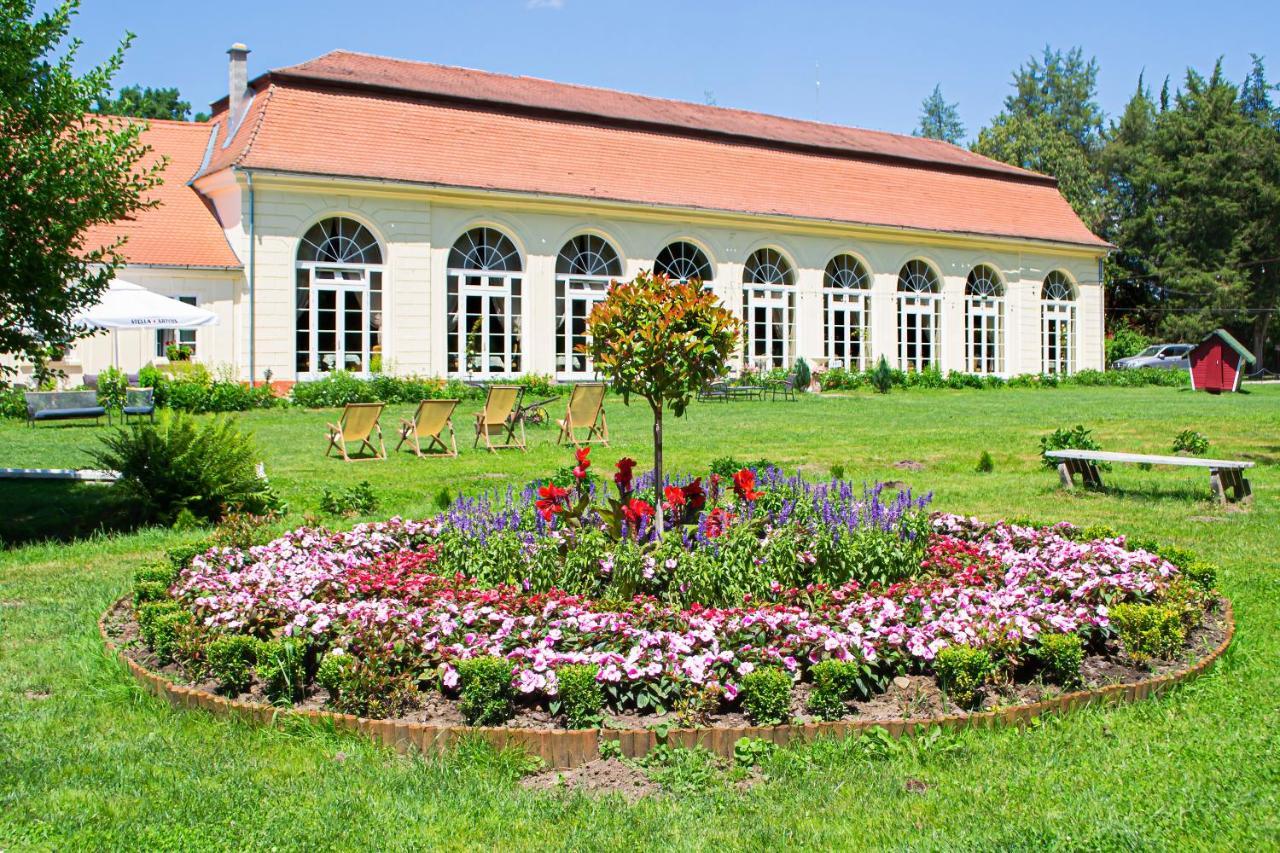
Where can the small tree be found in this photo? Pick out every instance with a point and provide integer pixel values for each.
(660, 340)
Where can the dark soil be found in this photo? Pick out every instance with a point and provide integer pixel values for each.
(910, 696)
(909, 465)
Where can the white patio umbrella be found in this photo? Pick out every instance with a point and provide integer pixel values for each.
(126, 305)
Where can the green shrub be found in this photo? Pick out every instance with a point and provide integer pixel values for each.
(231, 658)
(834, 682)
(1060, 657)
(353, 500)
(1064, 438)
(882, 376)
(1204, 575)
(727, 466)
(144, 591)
(581, 699)
(1123, 342)
(486, 690)
(146, 615)
(1191, 442)
(166, 631)
(985, 464)
(13, 402)
(803, 375)
(837, 471)
(1148, 630)
(332, 671)
(766, 695)
(180, 556)
(961, 672)
(176, 464)
(113, 387)
(364, 687)
(162, 573)
(282, 668)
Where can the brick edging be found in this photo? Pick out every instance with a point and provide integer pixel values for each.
(563, 748)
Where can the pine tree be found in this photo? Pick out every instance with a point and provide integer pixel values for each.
(939, 119)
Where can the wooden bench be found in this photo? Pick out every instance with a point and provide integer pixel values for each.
(1223, 473)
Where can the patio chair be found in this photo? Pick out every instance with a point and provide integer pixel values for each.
(585, 411)
(429, 423)
(140, 403)
(787, 388)
(357, 426)
(501, 417)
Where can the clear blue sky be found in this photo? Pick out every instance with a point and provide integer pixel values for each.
(875, 61)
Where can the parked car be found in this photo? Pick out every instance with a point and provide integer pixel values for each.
(1169, 356)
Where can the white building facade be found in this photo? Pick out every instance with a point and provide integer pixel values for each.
(376, 272)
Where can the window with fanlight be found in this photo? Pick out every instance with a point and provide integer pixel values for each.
(585, 267)
(683, 261)
(984, 321)
(1058, 324)
(338, 299)
(768, 310)
(846, 303)
(919, 316)
(483, 304)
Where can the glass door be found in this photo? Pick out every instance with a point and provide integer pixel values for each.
(575, 299)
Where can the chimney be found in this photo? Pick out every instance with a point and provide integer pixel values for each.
(237, 83)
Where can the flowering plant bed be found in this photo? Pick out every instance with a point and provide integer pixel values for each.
(776, 600)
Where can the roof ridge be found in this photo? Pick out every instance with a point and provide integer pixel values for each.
(257, 126)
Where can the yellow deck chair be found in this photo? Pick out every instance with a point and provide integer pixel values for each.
(501, 417)
(586, 411)
(357, 426)
(429, 423)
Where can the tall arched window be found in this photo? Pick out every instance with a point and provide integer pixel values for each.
(338, 299)
(984, 321)
(919, 316)
(769, 310)
(683, 261)
(585, 267)
(846, 307)
(1058, 324)
(483, 286)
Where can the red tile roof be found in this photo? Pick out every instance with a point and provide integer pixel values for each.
(182, 230)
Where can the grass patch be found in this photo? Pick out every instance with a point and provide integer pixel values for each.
(87, 760)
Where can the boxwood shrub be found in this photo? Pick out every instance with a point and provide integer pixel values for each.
(581, 698)
(486, 690)
(766, 695)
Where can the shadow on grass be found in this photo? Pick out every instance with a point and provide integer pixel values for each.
(61, 510)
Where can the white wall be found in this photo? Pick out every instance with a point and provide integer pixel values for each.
(418, 228)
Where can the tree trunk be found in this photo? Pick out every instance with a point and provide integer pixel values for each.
(657, 466)
(1260, 325)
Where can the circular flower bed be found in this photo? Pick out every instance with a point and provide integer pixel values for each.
(768, 597)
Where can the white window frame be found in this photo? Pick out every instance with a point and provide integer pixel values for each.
(923, 308)
(686, 260)
(181, 337)
(1058, 321)
(586, 280)
(487, 285)
(846, 311)
(984, 322)
(775, 296)
(338, 273)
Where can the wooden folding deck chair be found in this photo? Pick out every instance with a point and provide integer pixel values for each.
(429, 423)
(501, 417)
(358, 424)
(585, 411)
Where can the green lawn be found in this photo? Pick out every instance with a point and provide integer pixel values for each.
(87, 761)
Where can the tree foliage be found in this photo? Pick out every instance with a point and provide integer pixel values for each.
(137, 102)
(62, 171)
(940, 119)
(661, 340)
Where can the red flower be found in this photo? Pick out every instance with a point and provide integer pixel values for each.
(716, 522)
(675, 498)
(623, 477)
(636, 510)
(744, 485)
(551, 500)
(694, 496)
(583, 462)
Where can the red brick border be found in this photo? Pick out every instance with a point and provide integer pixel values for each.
(563, 748)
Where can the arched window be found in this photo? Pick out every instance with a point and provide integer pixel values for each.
(683, 261)
(846, 306)
(769, 310)
(984, 321)
(585, 267)
(338, 299)
(919, 316)
(483, 287)
(1058, 324)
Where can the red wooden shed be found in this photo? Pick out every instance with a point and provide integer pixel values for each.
(1218, 363)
